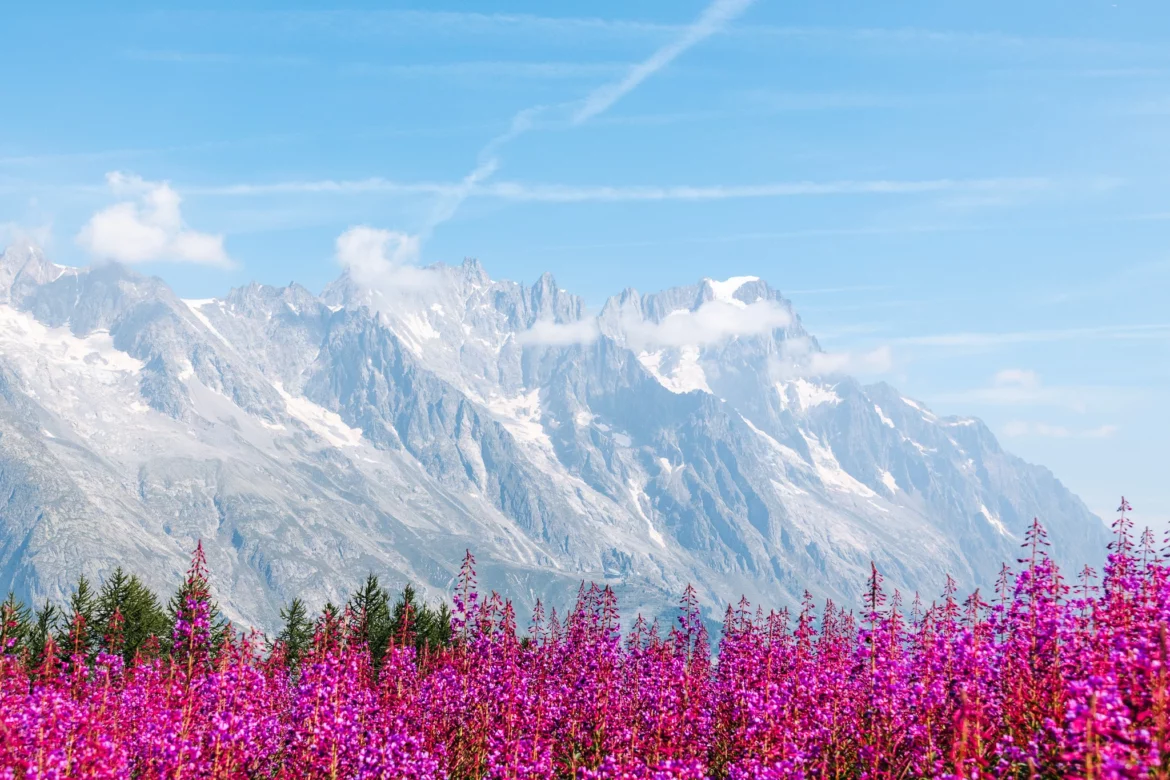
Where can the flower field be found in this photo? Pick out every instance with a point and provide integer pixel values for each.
(1047, 676)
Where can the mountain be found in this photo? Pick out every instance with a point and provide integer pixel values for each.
(697, 435)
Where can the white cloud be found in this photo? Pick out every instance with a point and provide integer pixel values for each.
(560, 334)
(1021, 428)
(147, 227)
(798, 358)
(713, 19)
(382, 260)
(711, 323)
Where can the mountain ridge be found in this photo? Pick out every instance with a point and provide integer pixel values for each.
(676, 437)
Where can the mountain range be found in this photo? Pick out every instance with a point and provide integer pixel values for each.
(696, 435)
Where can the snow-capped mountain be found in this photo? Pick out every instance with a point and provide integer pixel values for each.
(687, 436)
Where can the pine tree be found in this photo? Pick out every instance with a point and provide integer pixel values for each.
(407, 620)
(144, 618)
(297, 634)
(76, 632)
(433, 627)
(40, 633)
(442, 627)
(15, 624)
(370, 608)
(138, 609)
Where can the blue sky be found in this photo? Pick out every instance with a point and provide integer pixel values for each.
(979, 187)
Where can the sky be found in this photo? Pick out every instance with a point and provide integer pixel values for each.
(977, 190)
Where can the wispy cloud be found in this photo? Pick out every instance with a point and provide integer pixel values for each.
(325, 186)
(597, 102)
(845, 289)
(1023, 428)
(560, 334)
(468, 69)
(567, 193)
(993, 339)
(1024, 387)
(711, 323)
(487, 69)
(767, 101)
(408, 23)
(557, 193)
(210, 58)
(448, 24)
(798, 357)
(147, 227)
(714, 18)
(18, 233)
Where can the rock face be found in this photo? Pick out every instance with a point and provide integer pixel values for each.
(679, 437)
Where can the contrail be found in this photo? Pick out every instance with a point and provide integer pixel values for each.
(716, 16)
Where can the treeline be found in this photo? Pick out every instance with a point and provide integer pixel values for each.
(124, 617)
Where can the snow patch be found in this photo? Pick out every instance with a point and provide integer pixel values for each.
(926, 413)
(808, 394)
(725, 291)
(889, 481)
(921, 448)
(669, 468)
(420, 327)
(882, 416)
(686, 375)
(196, 306)
(636, 495)
(788, 453)
(994, 520)
(521, 416)
(93, 354)
(326, 424)
(788, 489)
(830, 471)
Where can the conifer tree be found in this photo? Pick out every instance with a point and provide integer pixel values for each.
(407, 620)
(40, 632)
(370, 618)
(76, 632)
(440, 635)
(138, 609)
(297, 634)
(15, 623)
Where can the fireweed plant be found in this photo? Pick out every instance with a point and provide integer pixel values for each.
(1044, 678)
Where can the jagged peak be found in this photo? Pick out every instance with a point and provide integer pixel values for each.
(25, 259)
